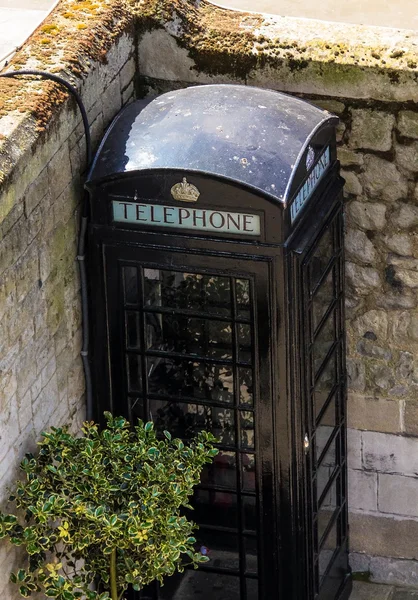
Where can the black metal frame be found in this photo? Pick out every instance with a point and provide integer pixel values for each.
(281, 305)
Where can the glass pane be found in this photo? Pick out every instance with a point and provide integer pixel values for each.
(176, 377)
(323, 341)
(327, 465)
(323, 298)
(326, 425)
(324, 385)
(327, 509)
(182, 334)
(191, 291)
(186, 420)
(201, 585)
(134, 372)
(250, 513)
(246, 386)
(222, 472)
(221, 548)
(137, 409)
(133, 330)
(252, 589)
(328, 549)
(242, 291)
(321, 258)
(251, 550)
(130, 285)
(247, 429)
(244, 342)
(248, 472)
(215, 508)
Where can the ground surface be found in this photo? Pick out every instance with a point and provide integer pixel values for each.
(370, 591)
(18, 18)
(385, 13)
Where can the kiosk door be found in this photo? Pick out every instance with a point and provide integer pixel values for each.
(184, 353)
(322, 342)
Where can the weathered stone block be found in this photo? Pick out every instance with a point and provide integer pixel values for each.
(59, 171)
(372, 322)
(374, 414)
(379, 535)
(350, 158)
(407, 156)
(363, 279)
(362, 490)
(359, 246)
(366, 591)
(401, 243)
(410, 417)
(354, 449)
(406, 217)
(111, 101)
(394, 300)
(356, 375)
(398, 495)
(387, 453)
(371, 129)
(396, 572)
(127, 73)
(381, 179)
(408, 124)
(367, 215)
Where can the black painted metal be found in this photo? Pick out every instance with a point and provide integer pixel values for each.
(240, 334)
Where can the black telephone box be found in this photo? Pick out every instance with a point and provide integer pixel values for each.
(217, 284)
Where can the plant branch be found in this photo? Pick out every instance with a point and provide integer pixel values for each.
(113, 581)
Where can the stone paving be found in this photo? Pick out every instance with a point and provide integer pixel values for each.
(383, 13)
(373, 591)
(18, 19)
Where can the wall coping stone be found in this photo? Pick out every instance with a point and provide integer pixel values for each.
(295, 55)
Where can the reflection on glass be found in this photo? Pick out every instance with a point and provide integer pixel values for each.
(250, 513)
(133, 330)
(321, 258)
(327, 465)
(246, 386)
(191, 291)
(221, 548)
(176, 377)
(248, 472)
(201, 585)
(244, 342)
(324, 385)
(130, 285)
(186, 420)
(328, 549)
(322, 299)
(134, 372)
(222, 472)
(252, 589)
(215, 508)
(250, 545)
(324, 340)
(242, 291)
(327, 509)
(247, 429)
(136, 409)
(188, 335)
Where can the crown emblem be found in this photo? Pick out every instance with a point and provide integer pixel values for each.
(310, 158)
(185, 192)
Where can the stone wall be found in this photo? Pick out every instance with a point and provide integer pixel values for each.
(368, 77)
(42, 164)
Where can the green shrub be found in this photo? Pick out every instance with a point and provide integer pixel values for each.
(105, 508)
